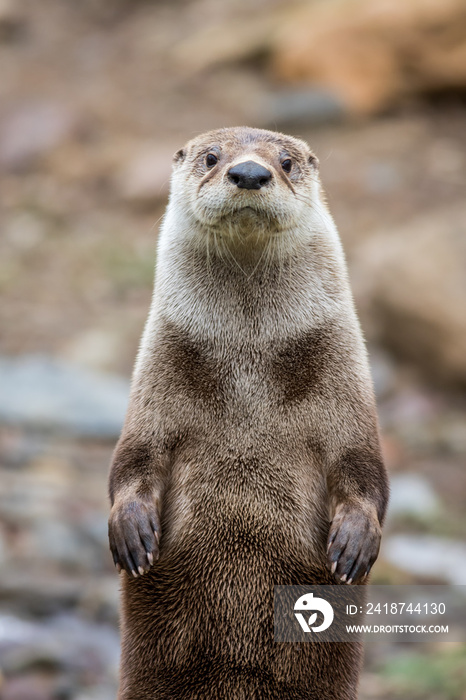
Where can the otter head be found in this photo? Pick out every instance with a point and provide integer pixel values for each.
(246, 180)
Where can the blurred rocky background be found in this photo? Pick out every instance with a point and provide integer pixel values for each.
(95, 96)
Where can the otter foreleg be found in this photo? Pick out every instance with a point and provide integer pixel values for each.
(359, 491)
(134, 523)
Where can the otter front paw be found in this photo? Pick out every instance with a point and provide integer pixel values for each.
(353, 544)
(134, 532)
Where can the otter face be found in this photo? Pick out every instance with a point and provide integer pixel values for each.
(245, 178)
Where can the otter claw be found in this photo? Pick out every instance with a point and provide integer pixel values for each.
(354, 540)
(133, 533)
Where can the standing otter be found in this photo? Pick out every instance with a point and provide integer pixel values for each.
(250, 454)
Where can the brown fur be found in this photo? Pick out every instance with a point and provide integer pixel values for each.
(248, 450)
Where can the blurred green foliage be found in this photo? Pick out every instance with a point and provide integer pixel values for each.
(438, 675)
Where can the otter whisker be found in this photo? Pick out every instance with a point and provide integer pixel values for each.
(261, 256)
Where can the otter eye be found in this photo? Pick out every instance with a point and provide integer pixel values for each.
(211, 160)
(286, 165)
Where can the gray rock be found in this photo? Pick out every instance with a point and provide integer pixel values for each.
(36, 593)
(29, 501)
(427, 556)
(95, 527)
(62, 642)
(57, 541)
(288, 108)
(20, 448)
(47, 394)
(32, 591)
(411, 494)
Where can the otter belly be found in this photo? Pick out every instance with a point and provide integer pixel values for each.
(199, 627)
(200, 623)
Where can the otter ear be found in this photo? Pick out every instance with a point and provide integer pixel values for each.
(313, 161)
(179, 156)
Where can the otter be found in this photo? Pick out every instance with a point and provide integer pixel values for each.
(250, 454)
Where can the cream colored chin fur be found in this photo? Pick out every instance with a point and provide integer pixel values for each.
(314, 288)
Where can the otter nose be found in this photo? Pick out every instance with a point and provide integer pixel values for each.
(249, 175)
